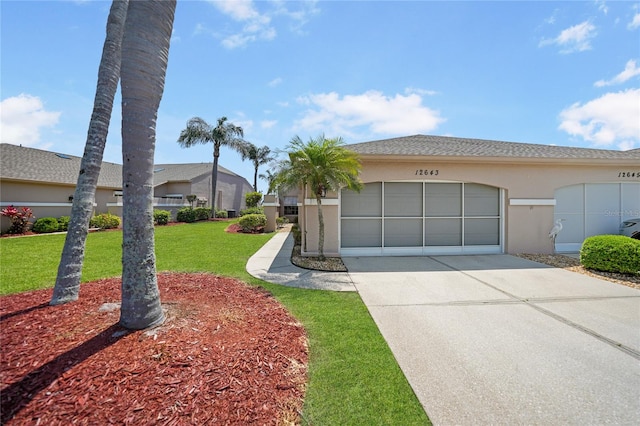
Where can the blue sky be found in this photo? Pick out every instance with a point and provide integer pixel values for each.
(562, 73)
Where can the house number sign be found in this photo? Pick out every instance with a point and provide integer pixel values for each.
(629, 174)
(427, 172)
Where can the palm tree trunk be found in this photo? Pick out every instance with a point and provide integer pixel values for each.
(67, 287)
(214, 179)
(145, 50)
(320, 229)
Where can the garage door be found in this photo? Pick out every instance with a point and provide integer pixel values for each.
(593, 209)
(416, 218)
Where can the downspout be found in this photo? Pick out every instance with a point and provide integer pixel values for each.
(304, 212)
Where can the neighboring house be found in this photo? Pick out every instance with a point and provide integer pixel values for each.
(443, 195)
(45, 181)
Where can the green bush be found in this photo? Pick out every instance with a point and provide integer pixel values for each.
(45, 225)
(63, 223)
(161, 217)
(611, 253)
(281, 221)
(252, 199)
(253, 222)
(297, 235)
(105, 221)
(252, 210)
(222, 214)
(186, 214)
(202, 213)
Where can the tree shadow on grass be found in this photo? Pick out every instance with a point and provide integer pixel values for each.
(17, 395)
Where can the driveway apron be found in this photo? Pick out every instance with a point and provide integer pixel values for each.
(495, 339)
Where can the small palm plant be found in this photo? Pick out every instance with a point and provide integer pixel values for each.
(323, 165)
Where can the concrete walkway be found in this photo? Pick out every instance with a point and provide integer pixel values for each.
(494, 339)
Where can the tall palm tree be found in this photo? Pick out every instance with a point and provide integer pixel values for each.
(224, 133)
(67, 287)
(322, 165)
(145, 52)
(258, 157)
(270, 177)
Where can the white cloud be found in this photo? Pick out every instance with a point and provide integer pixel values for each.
(268, 124)
(635, 22)
(275, 82)
(22, 117)
(630, 70)
(421, 92)
(611, 119)
(372, 110)
(573, 39)
(258, 24)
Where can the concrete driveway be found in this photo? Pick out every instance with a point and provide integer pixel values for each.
(497, 339)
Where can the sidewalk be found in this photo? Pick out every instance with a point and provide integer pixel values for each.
(272, 263)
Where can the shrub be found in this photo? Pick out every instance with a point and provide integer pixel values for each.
(252, 199)
(191, 198)
(63, 223)
(19, 219)
(281, 221)
(222, 214)
(297, 235)
(202, 213)
(45, 225)
(253, 222)
(611, 253)
(252, 210)
(186, 214)
(161, 217)
(105, 221)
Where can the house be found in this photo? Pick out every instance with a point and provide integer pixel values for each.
(428, 195)
(45, 181)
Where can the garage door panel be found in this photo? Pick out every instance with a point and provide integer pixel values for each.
(443, 199)
(403, 233)
(601, 197)
(481, 200)
(361, 232)
(481, 232)
(443, 232)
(403, 199)
(366, 203)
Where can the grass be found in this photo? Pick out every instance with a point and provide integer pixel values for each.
(353, 376)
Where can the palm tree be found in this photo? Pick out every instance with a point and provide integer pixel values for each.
(258, 157)
(67, 287)
(145, 52)
(199, 131)
(322, 165)
(270, 177)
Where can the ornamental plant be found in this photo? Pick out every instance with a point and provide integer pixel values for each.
(105, 221)
(253, 223)
(19, 218)
(45, 225)
(611, 253)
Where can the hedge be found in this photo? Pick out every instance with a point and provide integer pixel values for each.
(611, 253)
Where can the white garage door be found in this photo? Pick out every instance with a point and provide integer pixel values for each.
(415, 218)
(593, 209)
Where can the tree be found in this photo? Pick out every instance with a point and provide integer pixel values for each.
(321, 165)
(258, 157)
(145, 52)
(67, 287)
(199, 131)
(270, 177)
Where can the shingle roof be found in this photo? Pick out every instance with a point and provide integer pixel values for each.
(444, 146)
(36, 165)
(184, 172)
(30, 164)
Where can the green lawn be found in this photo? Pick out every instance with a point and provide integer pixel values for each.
(353, 376)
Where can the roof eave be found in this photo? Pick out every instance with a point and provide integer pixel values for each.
(498, 160)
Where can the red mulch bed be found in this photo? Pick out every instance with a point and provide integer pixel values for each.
(228, 353)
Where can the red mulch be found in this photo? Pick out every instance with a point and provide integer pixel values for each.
(228, 353)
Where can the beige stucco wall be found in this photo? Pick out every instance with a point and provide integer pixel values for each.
(531, 183)
(46, 200)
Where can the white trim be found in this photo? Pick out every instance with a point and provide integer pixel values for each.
(271, 204)
(532, 201)
(30, 204)
(325, 202)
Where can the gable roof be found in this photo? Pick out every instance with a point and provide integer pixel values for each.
(458, 148)
(30, 164)
(164, 173)
(36, 165)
